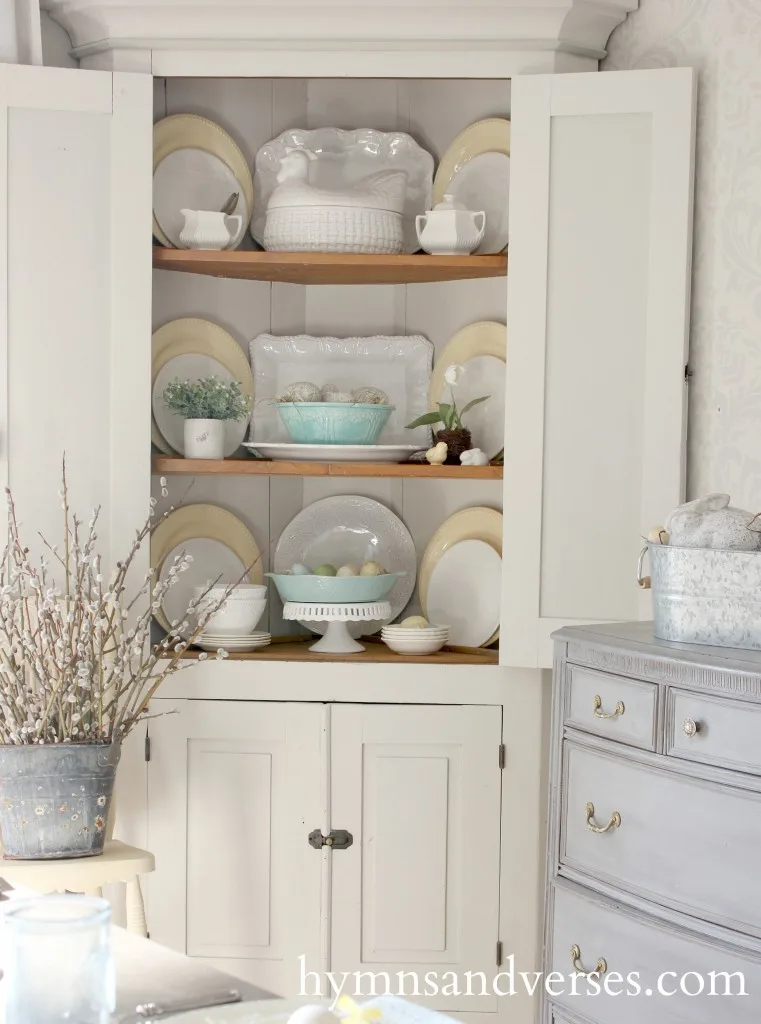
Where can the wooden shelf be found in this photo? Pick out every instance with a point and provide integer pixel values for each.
(328, 268)
(376, 652)
(263, 467)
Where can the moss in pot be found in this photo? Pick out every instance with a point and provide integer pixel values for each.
(206, 405)
(456, 436)
(77, 673)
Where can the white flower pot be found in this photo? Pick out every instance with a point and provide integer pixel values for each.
(204, 439)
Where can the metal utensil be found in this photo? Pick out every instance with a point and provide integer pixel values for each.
(145, 1013)
(230, 203)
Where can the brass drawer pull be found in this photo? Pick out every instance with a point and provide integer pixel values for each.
(600, 967)
(690, 727)
(618, 710)
(615, 821)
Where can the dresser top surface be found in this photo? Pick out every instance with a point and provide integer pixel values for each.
(638, 637)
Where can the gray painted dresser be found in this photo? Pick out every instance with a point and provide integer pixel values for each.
(654, 836)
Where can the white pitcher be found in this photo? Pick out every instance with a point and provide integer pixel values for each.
(449, 229)
(209, 229)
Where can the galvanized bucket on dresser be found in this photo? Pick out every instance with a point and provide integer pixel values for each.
(705, 596)
(55, 799)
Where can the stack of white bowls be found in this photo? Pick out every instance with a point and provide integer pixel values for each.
(232, 626)
(416, 639)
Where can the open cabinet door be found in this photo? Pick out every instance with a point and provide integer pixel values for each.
(598, 299)
(75, 290)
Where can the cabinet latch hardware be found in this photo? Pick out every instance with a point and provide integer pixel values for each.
(502, 755)
(337, 839)
(499, 953)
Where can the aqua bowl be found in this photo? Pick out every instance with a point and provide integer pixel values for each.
(333, 589)
(334, 422)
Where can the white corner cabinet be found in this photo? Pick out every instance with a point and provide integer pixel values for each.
(445, 863)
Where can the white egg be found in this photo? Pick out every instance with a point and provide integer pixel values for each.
(312, 1014)
(301, 391)
(348, 570)
(372, 569)
(297, 569)
(415, 622)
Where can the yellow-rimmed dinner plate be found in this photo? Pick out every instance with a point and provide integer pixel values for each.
(475, 169)
(223, 551)
(196, 166)
(478, 523)
(188, 349)
(481, 350)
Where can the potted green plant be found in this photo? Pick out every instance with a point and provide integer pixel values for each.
(77, 673)
(206, 405)
(456, 437)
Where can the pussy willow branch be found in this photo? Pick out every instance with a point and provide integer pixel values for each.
(77, 665)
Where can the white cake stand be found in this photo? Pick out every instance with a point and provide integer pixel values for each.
(337, 639)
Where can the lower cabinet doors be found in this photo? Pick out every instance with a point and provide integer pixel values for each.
(236, 788)
(419, 789)
(232, 789)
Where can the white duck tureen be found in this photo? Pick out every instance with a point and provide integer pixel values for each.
(364, 218)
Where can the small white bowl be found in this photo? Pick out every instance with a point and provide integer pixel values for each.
(417, 634)
(420, 646)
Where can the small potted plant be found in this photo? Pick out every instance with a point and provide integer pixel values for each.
(206, 405)
(77, 674)
(456, 437)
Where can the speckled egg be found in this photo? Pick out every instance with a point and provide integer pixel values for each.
(299, 569)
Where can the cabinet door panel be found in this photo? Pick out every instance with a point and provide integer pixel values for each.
(233, 790)
(419, 789)
(598, 296)
(75, 294)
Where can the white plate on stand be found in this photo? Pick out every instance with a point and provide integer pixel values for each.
(334, 452)
(351, 528)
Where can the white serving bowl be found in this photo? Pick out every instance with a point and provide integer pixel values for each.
(235, 618)
(415, 646)
(242, 592)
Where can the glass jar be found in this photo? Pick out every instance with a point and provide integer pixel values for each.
(57, 962)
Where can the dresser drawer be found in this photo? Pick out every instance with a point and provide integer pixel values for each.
(613, 706)
(683, 842)
(714, 730)
(642, 951)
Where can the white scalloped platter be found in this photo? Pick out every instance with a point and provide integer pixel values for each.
(290, 452)
(343, 159)
(399, 365)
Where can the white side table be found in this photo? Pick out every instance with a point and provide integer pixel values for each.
(117, 863)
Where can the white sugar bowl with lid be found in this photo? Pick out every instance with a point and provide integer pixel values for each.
(449, 229)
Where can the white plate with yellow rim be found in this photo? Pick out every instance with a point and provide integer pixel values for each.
(191, 348)
(222, 547)
(477, 523)
(475, 170)
(481, 350)
(196, 165)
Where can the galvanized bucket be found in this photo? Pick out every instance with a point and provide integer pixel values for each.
(705, 596)
(55, 799)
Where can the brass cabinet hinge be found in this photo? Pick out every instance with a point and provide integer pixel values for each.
(499, 953)
(502, 755)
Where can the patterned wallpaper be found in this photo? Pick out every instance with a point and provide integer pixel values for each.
(722, 38)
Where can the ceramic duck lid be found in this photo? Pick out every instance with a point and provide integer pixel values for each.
(385, 190)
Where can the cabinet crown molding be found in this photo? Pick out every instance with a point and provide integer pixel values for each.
(539, 33)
